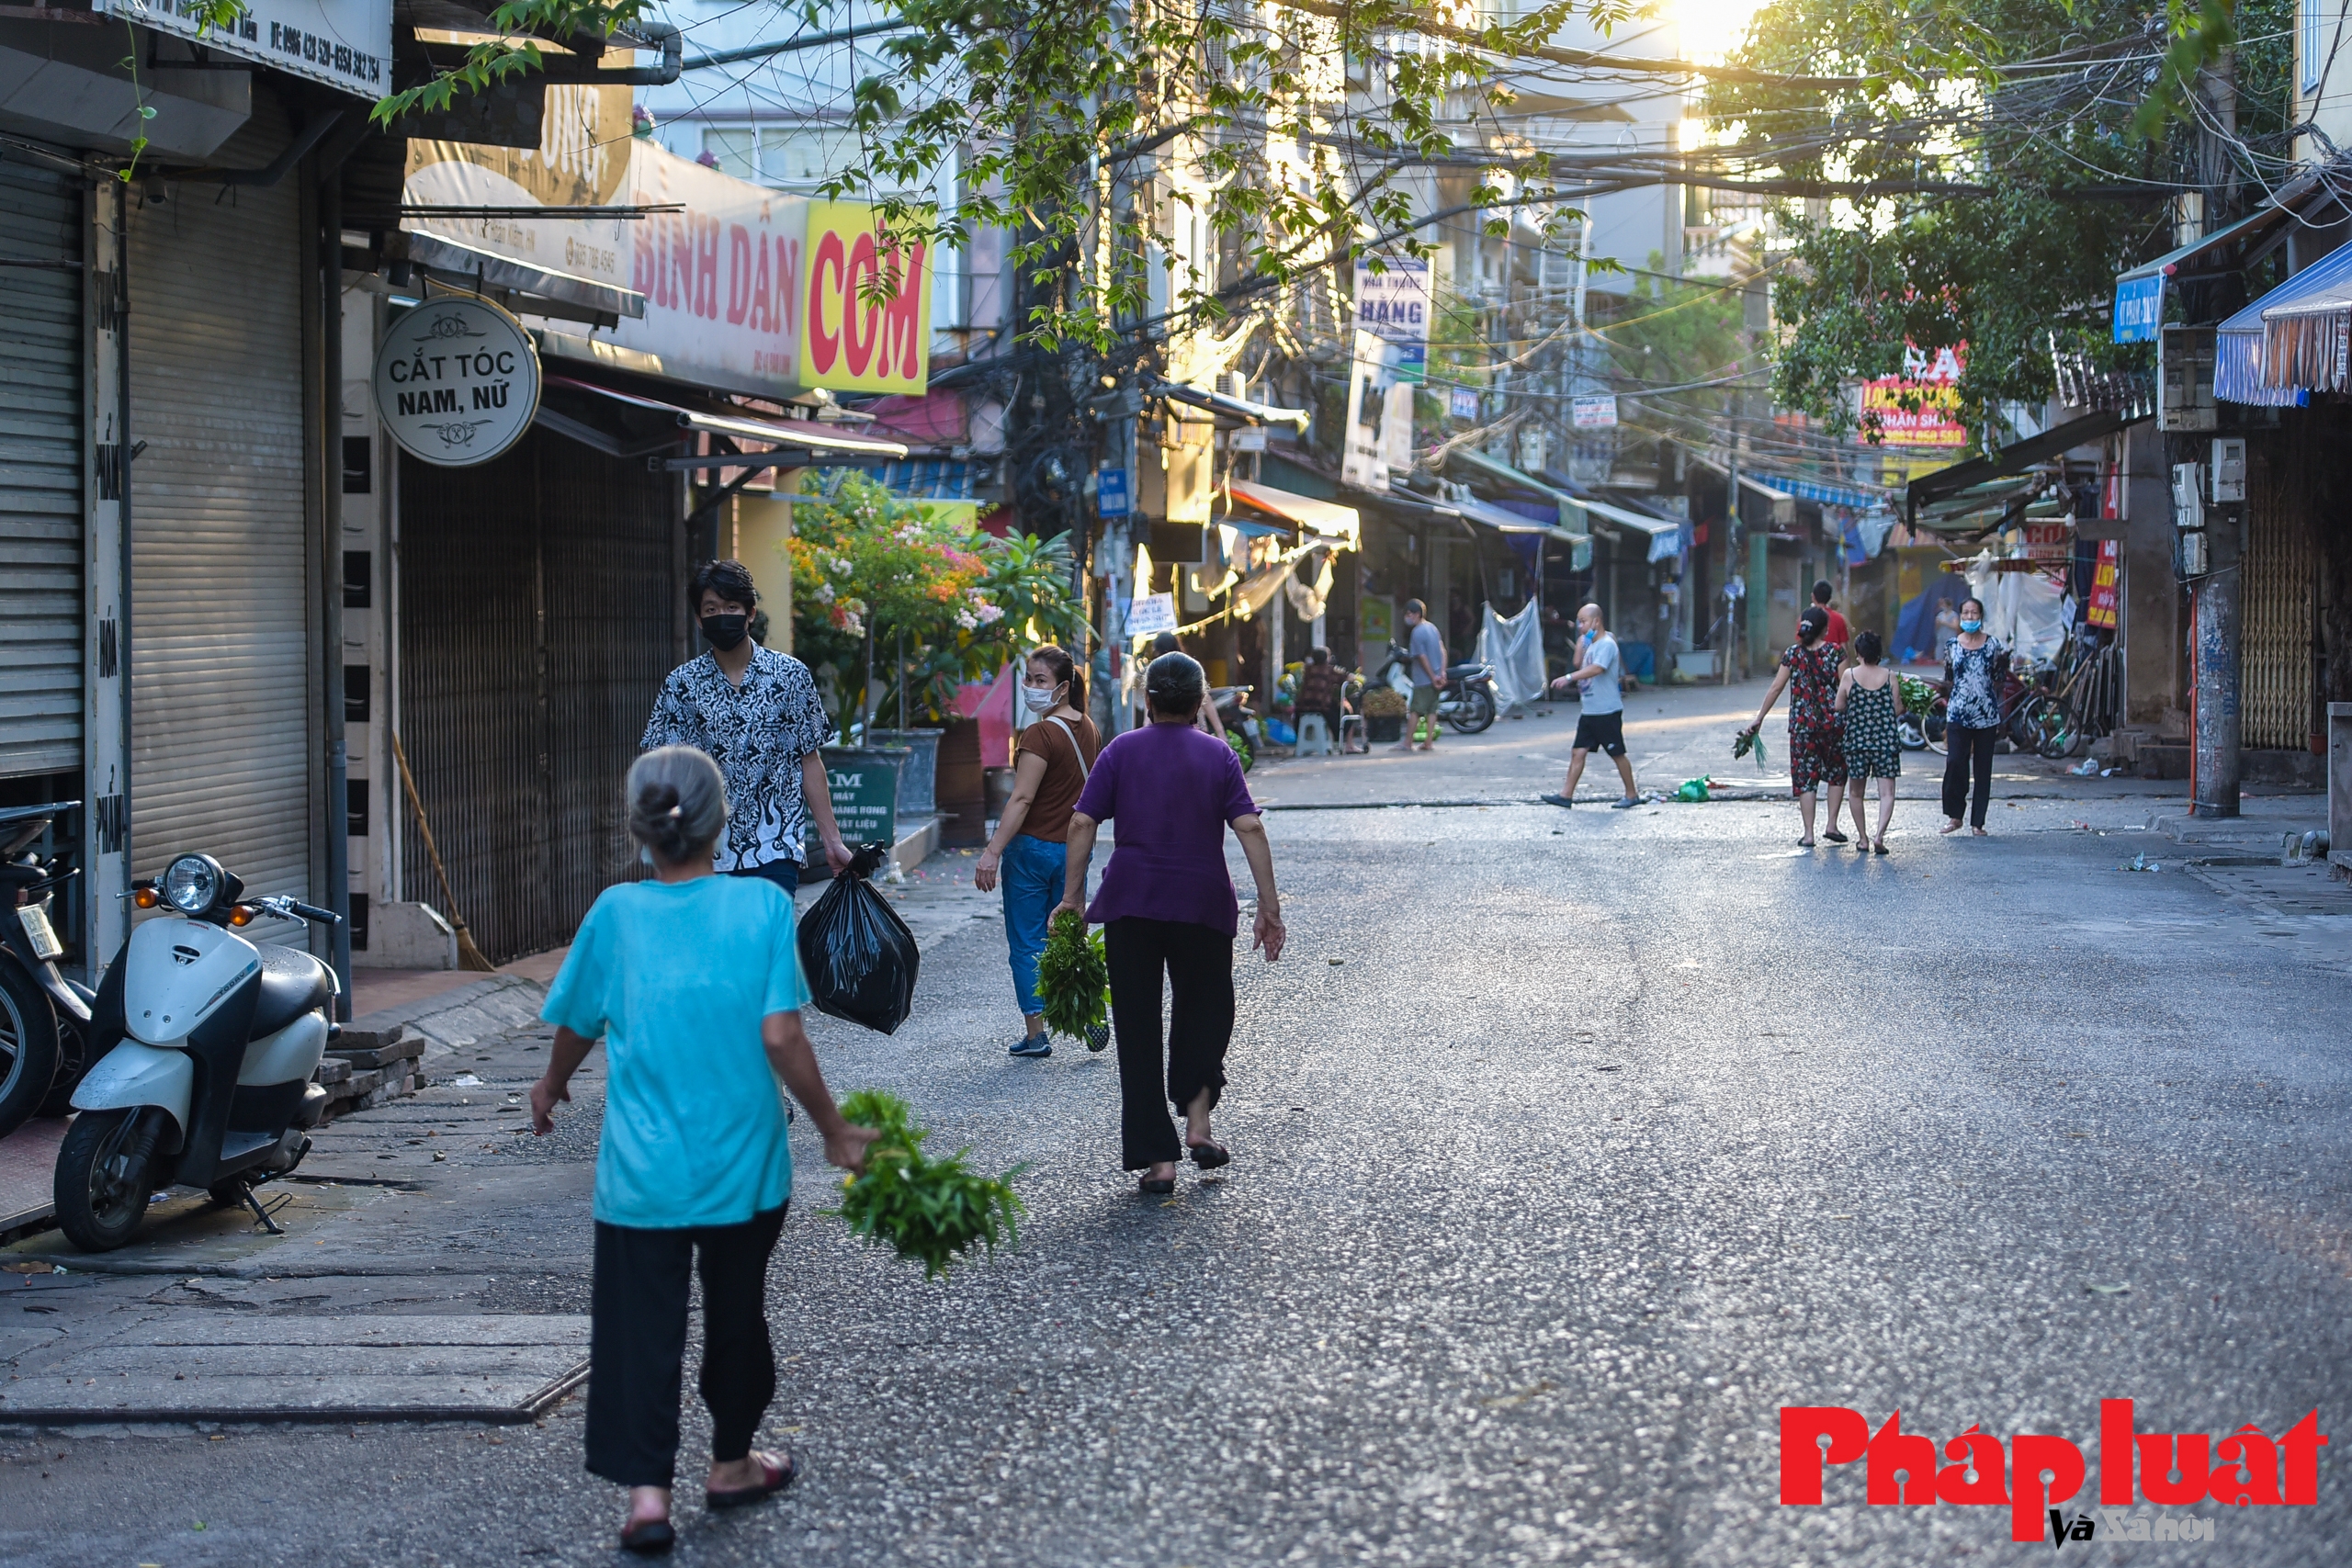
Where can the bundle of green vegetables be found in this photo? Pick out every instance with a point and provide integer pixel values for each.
(1074, 980)
(931, 1210)
(1745, 741)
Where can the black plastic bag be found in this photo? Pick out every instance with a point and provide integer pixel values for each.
(860, 958)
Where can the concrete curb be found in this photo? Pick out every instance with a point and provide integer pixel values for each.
(457, 1018)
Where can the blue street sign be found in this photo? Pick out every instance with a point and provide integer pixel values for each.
(1110, 492)
(2138, 309)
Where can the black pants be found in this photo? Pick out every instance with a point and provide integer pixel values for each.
(1968, 752)
(636, 1343)
(785, 874)
(1198, 961)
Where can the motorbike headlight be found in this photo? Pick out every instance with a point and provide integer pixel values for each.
(192, 885)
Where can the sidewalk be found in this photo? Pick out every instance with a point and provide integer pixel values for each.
(436, 1255)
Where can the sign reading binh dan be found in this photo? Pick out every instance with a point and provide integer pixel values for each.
(457, 382)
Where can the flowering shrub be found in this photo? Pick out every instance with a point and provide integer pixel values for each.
(868, 563)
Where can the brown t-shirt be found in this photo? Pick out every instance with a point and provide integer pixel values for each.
(1057, 797)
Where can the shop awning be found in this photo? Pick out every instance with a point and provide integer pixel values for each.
(1663, 535)
(1834, 496)
(2292, 342)
(1780, 506)
(792, 442)
(2014, 458)
(518, 286)
(1325, 519)
(2140, 293)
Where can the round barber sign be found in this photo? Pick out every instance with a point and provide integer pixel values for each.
(457, 382)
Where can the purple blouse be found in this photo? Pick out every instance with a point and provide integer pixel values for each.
(1173, 789)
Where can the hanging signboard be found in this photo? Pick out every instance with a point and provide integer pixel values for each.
(457, 382)
(1920, 407)
(1151, 615)
(1593, 412)
(347, 44)
(2104, 577)
(2139, 308)
(1394, 306)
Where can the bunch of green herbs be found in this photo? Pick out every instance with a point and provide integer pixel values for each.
(933, 1211)
(1074, 978)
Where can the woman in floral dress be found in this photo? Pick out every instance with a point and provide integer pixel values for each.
(1809, 674)
(1868, 699)
(1975, 665)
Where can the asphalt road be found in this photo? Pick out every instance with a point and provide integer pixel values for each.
(1570, 1146)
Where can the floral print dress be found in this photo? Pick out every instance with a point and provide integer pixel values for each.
(1975, 699)
(1814, 756)
(1872, 750)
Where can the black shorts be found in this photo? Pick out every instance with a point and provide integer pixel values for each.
(1601, 732)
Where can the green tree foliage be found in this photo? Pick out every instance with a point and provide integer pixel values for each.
(2002, 131)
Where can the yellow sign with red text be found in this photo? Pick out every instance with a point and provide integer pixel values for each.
(867, 325)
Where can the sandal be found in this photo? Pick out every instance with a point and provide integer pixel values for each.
(1208, 1157)
(774, 1478)
(648, 1537)
(1804, 843)
(1879, 848)
(1159, 1188)
(1834, 835)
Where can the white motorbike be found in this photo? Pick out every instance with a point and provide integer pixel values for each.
(210, 1044)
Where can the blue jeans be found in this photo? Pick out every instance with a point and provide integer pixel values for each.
(1033, 873)
(785, 874)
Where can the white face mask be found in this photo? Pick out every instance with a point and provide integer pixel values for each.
(1040, 699)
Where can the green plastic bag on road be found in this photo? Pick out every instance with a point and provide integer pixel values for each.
(1693, 791)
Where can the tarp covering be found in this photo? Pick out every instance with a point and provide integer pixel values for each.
(2295, 340)
(2024, 609)
(1514, 647)
(1325, 518)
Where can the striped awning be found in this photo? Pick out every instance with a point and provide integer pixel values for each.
(2294, 341)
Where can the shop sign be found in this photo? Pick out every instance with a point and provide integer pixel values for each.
(1394, 306)
(457, 382)
(2100, 611)
(1110, 492)
(867, 328)
(1596, 412)
(2138, 309)
(1151, 615)
(1920, 407)
(865, 787)
(347, 44)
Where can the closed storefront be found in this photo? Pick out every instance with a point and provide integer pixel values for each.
(2278, 660)
(538, 600)
(220, 668)
(42, 517)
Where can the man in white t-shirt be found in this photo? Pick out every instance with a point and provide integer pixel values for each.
(1601, 726)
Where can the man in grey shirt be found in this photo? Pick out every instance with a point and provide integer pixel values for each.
(1425, 662)
(1601, 726)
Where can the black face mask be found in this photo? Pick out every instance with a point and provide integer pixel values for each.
(726, 633)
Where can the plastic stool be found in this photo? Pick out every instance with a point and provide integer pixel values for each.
(1314, 735)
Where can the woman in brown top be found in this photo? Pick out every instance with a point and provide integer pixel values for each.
(1051, 758)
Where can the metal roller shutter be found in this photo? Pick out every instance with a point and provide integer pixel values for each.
(537, 596)
(221, 715)
(41, 471)
(2281, 577)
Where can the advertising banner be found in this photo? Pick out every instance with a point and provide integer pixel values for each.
(1394, 306)
(1921, 407)
(746, 289)
(347, 44)
(2105, 577)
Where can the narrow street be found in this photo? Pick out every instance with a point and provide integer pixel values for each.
(1569, 1147)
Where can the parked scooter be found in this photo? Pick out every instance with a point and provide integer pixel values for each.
(44, 1017)
(211, 1085)
(1465, 700)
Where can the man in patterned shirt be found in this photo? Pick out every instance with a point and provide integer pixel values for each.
(756, 713)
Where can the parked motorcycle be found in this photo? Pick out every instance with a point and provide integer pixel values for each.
(44, 1017)
(210, 1084)
(1465, 700)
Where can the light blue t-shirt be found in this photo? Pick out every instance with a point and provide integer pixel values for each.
(1426, 645)
(1604, 692)
(676, 978)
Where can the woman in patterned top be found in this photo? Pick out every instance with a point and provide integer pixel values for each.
(1973, 668)
(1867, 697)
(1809, 674)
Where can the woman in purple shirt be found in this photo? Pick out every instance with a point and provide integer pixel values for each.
(1165, 906)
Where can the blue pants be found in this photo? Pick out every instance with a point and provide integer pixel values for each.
(1033, 873)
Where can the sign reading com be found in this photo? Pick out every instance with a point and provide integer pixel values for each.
(457, 382)
(2185, 1470)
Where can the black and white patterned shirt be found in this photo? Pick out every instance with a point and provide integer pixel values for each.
(757, 733)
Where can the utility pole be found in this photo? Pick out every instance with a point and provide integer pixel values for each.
(2215, 720)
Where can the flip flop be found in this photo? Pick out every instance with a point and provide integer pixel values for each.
(1159, 1188)
(1879, 850)
(1834, 835)
(1208, 1157)
(772, 1479)
(648, 1537)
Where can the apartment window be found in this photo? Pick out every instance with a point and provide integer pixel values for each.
(797, 156)
(2311, 49)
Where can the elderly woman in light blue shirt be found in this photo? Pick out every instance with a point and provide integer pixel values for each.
(693, 981)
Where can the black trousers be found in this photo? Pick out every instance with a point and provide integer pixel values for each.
(636, 1343)
(1968, 754)
(1198, 961)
